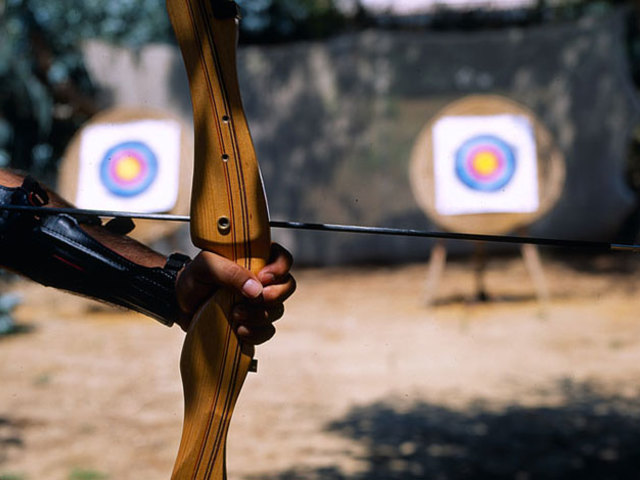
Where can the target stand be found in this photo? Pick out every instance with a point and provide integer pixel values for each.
(485, 164)
(133, 160)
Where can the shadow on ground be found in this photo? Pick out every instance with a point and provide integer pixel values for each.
(18, 329)
(9, 436)
(587, 436)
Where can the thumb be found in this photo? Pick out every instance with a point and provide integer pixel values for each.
(211, 268)
(227, 273)
(207, 273)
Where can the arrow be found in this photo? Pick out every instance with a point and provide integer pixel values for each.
(324, 227)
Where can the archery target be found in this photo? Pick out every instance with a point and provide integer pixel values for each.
(130, 166)
(484, 164)
(128, 169)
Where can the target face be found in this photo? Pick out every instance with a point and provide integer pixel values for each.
(131, 166)
(485, 163)
(128, 169)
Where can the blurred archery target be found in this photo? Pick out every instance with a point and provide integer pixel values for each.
(131, 166)
(128, 169)
(131, 159)
(485, 165)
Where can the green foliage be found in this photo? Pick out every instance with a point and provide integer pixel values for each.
(81, 474)
(279, 20)
(11, 476)
(27, 103)
(46, 93)
(126, 22)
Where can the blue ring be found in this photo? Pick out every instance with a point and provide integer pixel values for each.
(137, 187)
(463, 174)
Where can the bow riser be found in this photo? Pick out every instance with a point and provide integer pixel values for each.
(228, 209)
(229, 217)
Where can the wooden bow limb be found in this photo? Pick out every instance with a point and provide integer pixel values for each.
(229, 217)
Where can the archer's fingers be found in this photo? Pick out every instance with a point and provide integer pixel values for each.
(199, 280)
(278, 265)
(278, 283)
(255, 336)
(255, 316)
(254, 323)
(276, 293)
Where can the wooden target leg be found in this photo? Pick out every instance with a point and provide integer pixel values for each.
(437, 261)
(480, 266)
(531, 257)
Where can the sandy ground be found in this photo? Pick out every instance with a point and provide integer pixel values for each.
(361, 382)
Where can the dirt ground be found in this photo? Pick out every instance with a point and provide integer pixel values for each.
(361, 382)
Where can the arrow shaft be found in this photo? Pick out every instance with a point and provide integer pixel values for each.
(324, 227)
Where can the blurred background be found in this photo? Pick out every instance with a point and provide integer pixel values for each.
(337, 94)
(500, 363)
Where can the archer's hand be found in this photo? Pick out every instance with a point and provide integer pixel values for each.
(265, 292)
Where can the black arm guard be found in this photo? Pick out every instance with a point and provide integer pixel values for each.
(53, 250)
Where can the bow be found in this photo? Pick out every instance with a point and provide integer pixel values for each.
(228, 216)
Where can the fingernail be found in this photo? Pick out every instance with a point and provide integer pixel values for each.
(252, 288)
(267, 277)
(242, 331)
(240, 313)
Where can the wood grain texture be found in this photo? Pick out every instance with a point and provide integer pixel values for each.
(227, 189)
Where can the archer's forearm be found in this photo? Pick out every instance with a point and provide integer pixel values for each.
(82, 256)
(124, 245)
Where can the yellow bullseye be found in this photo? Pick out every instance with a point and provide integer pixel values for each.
(128, 168)
(485, 163)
